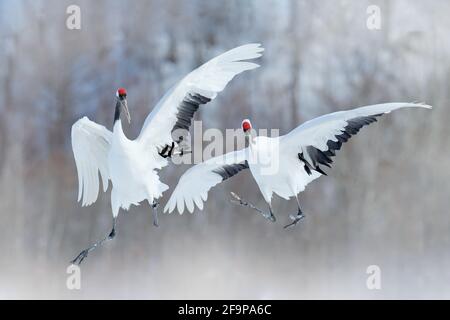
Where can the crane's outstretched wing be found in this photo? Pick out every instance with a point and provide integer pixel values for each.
(176, 109)
(317, 140)
(90, 144)
(195, 183)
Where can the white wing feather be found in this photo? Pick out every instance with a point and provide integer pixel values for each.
(90, 143)
(193, 186)
(318, 131)
(207, 80)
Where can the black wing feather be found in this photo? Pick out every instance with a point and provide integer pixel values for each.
(186, 111)
(229, 170)
(319, 157)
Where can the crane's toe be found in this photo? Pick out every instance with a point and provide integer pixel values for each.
(295, 219)
(83, 254)
(270, 217)
(112, 234)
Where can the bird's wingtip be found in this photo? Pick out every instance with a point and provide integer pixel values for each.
(255, 47)
(166, 209)
(422, 105)
(255, 44)
(260, 47)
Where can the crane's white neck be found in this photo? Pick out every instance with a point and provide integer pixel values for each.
(251, 140)
(118, 130)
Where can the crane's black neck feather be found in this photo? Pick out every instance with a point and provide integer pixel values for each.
(117, 112)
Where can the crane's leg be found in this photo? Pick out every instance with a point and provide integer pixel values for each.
(240, 202)
(83, 254)
(297, 218)
(155, 205)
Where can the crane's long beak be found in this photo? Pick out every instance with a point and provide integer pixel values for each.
(125, 109)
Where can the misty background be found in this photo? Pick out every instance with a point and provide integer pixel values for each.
(385, 202)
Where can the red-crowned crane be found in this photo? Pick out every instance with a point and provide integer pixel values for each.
(132, 165)
(282, 165)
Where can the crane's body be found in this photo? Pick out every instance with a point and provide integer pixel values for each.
(132, 165)
(282, 165)
(132, 172)
(274, 172)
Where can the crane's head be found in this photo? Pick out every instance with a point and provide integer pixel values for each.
(246, 127)
(121, 104)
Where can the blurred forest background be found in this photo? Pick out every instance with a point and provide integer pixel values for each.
(386, 201)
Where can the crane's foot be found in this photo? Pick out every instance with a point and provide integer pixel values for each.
(83, 254)
(112, 234)
(240, 202)
(181, 152)
(155, 205)
(295, 219)
(270, 216)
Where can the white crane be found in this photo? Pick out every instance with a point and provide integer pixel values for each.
(132, 165)
(282, 165)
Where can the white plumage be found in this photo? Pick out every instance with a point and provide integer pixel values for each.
(132, 165)
(195, 183)
(282, 165)
(129, 164)
(207, 80)
(91, 143)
